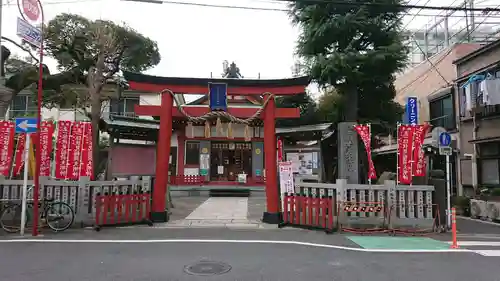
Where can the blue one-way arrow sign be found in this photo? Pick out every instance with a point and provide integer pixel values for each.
(26, 125)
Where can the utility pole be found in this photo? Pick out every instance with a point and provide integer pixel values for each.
(472, 21)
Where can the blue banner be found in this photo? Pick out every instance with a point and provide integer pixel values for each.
(217, 93)
(412, 111)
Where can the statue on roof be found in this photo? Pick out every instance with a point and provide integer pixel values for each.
(231, 70)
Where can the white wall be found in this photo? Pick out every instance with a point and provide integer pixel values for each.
(149, 99)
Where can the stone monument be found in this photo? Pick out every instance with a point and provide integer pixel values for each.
(348, 156)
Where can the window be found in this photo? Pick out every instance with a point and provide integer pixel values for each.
(442, 113)
(22, 105)
(125, 106)
(192, 153)
(489, 166)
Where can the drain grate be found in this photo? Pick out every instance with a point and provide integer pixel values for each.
(207, 268)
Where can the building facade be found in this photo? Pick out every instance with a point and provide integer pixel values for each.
(478, 107)
(431, 82)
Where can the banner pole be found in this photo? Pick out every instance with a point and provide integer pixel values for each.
(412, 161)
(370, 147)
(397, 154)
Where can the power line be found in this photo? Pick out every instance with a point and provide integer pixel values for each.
(418, 14)
(386, 5)
(442, 58)
(363, 4)
(427, 58)
(414, 16)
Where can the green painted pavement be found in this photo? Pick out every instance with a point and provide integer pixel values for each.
(398, 243)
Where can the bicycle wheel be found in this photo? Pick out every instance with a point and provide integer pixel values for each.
(59, 216)
(10, 218)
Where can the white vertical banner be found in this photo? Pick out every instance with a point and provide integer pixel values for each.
(286, 180)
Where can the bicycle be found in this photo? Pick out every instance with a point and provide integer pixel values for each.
(51, 213)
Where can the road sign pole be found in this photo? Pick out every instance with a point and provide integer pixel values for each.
(25, 184)
(38, 151)
(448, 192)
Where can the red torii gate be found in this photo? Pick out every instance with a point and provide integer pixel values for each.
(235, 87)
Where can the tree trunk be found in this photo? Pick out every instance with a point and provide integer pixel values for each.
(351, 97)
(95, 117)
(6, 95)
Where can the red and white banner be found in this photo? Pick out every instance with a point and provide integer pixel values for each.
(6, 146)
(405, 153)
(19, 158)
(46, 146)
(365, 135)
(419, 166)
(75, 151)
(280, 150)
(87, 163)
(62, 149)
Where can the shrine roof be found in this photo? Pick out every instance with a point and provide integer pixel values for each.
(132, 128)
(144, 78)
(304, 128)
(307, 132)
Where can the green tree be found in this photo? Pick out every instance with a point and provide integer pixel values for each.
(356, 49)
(307, 106)
(22, 74)
(98, 50)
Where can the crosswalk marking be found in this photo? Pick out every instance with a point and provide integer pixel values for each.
(484, 248)
(478, 243)
(488, 253)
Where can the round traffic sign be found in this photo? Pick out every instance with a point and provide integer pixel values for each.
(31, 9)
(444, 139)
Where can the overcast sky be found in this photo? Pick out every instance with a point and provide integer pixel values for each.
(194, 40)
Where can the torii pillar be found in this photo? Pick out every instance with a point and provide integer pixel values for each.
(272, 214)
(158, 210)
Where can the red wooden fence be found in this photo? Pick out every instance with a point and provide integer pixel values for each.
(310, 212)
(122, 209)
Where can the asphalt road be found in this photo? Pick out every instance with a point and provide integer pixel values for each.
(248, 262)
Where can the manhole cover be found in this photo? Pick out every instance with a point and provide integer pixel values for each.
(206, 268)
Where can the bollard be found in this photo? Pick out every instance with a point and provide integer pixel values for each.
(454, 244)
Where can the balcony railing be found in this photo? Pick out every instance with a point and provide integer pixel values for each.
(487, 110)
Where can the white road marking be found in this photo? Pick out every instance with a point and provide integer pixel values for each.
(238, 242)
(488, 253)
(479, 236)
(478, 243)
